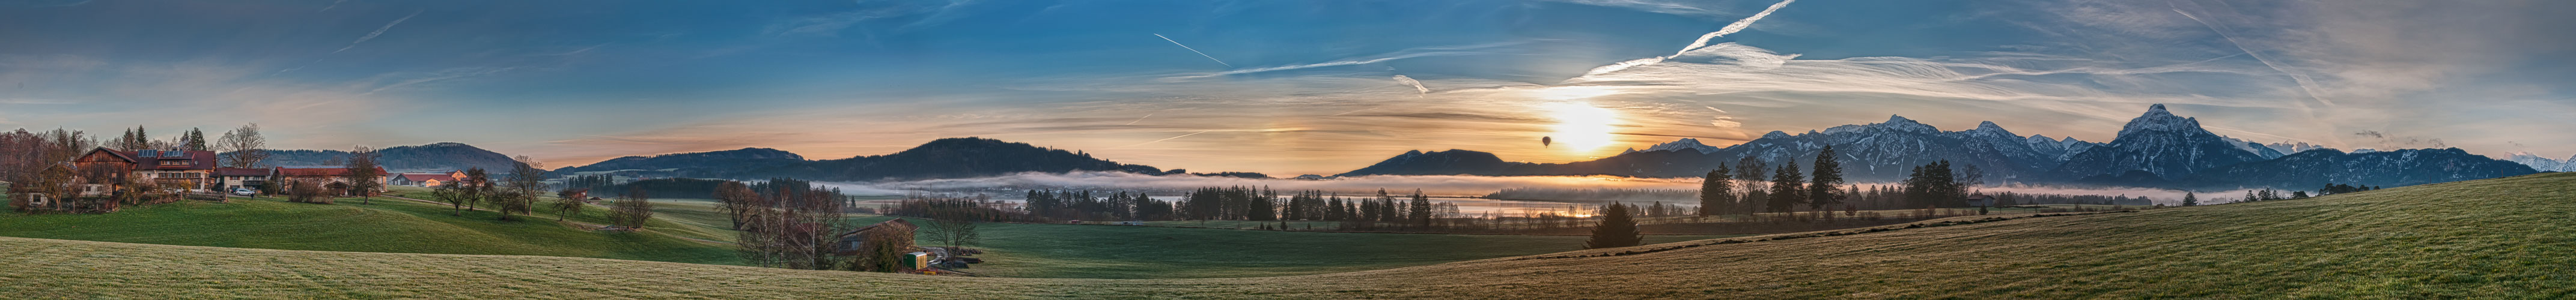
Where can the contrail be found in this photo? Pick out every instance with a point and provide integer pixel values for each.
(1739, 25)
(1730, 28)
(1193, 50)
(1164, 139)
(1140, 119)
(379, 31)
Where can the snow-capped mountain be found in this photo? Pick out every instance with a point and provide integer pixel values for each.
(1881, 151)
(2156, 149)
(2544, 163)
(2159, 143)
(1690, 144)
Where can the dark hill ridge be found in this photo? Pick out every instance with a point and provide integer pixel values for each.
(943, 158)
(2157, 149)
(431, 157)
(712, 161)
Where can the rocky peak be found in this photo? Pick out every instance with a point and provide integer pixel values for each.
(2157, 119)
(1691, 144)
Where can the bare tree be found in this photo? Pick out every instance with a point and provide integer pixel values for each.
(364, 173)
(243, 147)
(568, 202)
(632, 209)
(527, 180)
(737, 201)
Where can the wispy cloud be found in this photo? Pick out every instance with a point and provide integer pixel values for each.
(1164, 139)
(1194, 50)
(1416, 84)
(379, 31)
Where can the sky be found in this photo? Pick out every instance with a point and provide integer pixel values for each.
(1281, 87)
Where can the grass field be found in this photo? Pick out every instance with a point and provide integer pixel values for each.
(2501, 238)
(387, 225)
(1014, 250)
(1110, 251)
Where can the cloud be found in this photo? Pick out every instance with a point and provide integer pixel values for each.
(1329, 64)
(1721, 120)
(1653, 6)
(1416, 84)
(379, 31)
(929, 12)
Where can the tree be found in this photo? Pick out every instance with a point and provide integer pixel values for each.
(307, 192)
(1617, 229)
(243, 147)
(2190, 199)
(477, 186)
(631, 209)
(196, 140)
(737, 200)
(527, 180)
(1420, 210)
(1716, 192)
(569, 202)
(363, 174)
(1787, 188)
(2298, 194)
(954, 229)
(1822, 188)
(1750, 180)
(452, 194)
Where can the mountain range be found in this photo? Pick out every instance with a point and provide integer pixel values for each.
(943, 158)
(2156, 149)
(422, 158)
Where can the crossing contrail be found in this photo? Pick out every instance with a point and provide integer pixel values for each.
(1193, 50)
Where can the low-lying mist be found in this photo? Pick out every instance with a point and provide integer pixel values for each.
(1443, 185)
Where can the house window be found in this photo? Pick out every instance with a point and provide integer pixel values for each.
(175, 163)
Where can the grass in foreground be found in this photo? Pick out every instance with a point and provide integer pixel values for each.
(387, 225)
(1110, 251)
(2501, 238)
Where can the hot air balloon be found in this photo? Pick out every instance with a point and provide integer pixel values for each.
(1546, 141)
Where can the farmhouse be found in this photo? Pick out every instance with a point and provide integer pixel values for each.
(1981, 200)
(332, 178)
(177, 169)
(425, 179)
(241, 178)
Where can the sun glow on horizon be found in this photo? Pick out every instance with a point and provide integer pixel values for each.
(1581, 128)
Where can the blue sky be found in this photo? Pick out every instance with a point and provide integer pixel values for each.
(1286, 87)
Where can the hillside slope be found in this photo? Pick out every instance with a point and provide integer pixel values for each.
(388, 225)
(2499, 238)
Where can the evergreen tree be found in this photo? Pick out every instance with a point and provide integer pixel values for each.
(1823, 186)
(2190, 199)
(1787, 188)
(1617, 229)
(1421, 210)
(196, 140)
(1716, 191)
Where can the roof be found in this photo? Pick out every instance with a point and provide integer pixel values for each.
(316, 171)
(112, 152)
(426, 177)
(197, 160)
(241, 172)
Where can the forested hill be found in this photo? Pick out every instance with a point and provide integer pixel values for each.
(708, 163)
(438, 156)
(943, 158)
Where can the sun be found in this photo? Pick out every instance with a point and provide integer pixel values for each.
(1580, 126)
